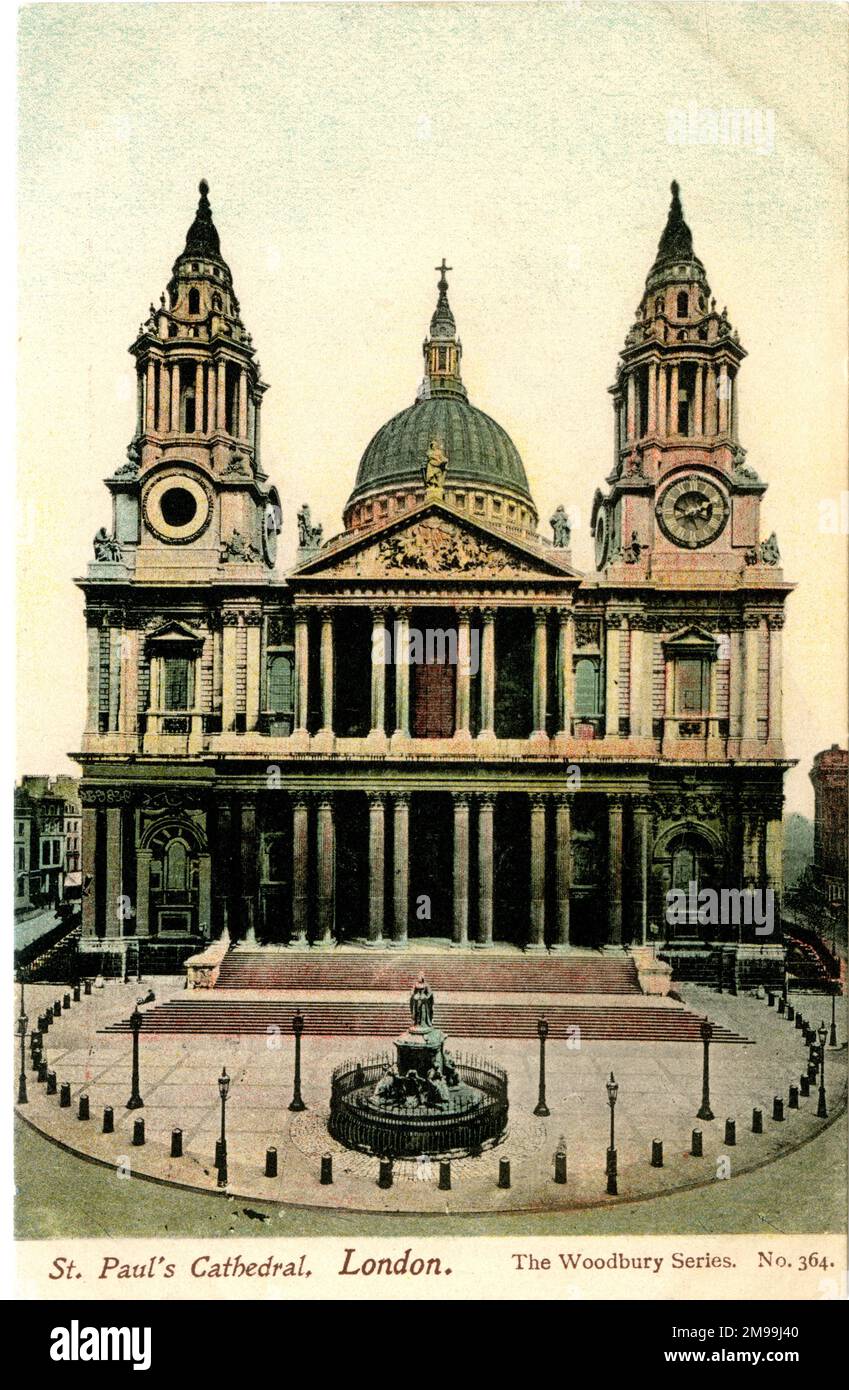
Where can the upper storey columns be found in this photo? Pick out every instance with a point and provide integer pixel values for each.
(685, 397)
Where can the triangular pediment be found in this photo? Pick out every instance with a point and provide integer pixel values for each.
(691, 637)
(434, 539)
(177, 633)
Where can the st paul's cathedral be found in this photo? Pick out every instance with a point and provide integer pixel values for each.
(433, 727)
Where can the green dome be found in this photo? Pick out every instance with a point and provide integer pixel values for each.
(479, 451)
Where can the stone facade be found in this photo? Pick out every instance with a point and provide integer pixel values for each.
(433, 726)
(830, 778)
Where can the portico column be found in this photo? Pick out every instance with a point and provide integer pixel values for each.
(537, 937)
(221, 395)
(115, 633)
(379, 644)
(142, 904)
(614, 870)
(301, 669)
(200, 372)
(642, 822)
(642, 651)
(93, 677)
(175, 397)
(611, 676)
(662, 409)
(114, 880)
(753, 826)
(488, 671)
(326, 838)
(565, 672)
(300, 867)
(698, 422)
(401, 653)
(249, 867)
(775, 623)
(540, 672)
(376, 865)
(229, 649)
(204, 897)
(773, 851)
(563, 864)
(253, 676)
(88, 859)
(326, 670)
(486, 854)
(150, 396)
(462, 702)
(401, 868)
(751, 642)
(461, 869)
(652, 421)
(129, 702)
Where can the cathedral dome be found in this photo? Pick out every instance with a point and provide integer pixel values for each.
(484, 473)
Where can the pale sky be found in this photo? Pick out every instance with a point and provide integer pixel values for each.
(348, 148)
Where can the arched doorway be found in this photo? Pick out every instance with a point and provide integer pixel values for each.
(687, 860)
(178, 879)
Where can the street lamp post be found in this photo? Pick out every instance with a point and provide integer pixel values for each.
(223, 1090)
(706, 1030)
(822, 1108)
(542, 1029)
(22, 1029)
(297, 1101)
(135, 1102)
(612, 1092)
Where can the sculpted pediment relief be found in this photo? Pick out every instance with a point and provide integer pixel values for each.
(434, 545)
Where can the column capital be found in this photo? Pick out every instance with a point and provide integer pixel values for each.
(616, 801)
(775, 621)
(404, 611)
(301, 614)
(401, 798)
(376, 799)
(326, 612)
(538, 800)
(564, 616)
(488, 614)
(642, 804)
(325, 801)
(378, 615)
(301, 800)
(565, 800)
(486, 799)
(541, 615)
(464, 613)
(461, 799)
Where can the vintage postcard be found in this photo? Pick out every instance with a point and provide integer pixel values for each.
(430, 812)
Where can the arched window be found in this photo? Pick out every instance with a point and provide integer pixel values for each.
(280, 673)
(658, 304)
(194, 301)
(176, 867)
(683, 304)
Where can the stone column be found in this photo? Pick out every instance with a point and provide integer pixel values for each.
(662, 407)
(376, 865)
(563, 864)
(221, 395)
(723, 399)
(486, 858)
(753, 828)
(673, 399)
(228, 669)
(93, 677)
(326, 838)
(401, 868)
(204, 896)
(301, 669)
(775, 623)
(488, 671)
(462, 695)
(211, 408)
(175, 397)
(114, 876)
(773, 852)
(614, 870)
(642, 825)
(698, 421)
(631, 408)
(565, 672)
(300, 867)
(139, 400)
(164, 397)
(150, 396)
(537, 937)
(326, 670)
(249, 868)
(88, 859)
(401, 652)
(243, 404)
(611, 676)
(115, 633)
(642, 645)
(257, 430)
(652, 420)
(129, 701)
(253, 678)
(143, 858)
(751, 642)
(379, 640)
(461, 869)
(200, 372)
(540, 671)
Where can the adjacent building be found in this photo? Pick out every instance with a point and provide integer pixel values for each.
(47, 840)
(433, 726)
(830, 778)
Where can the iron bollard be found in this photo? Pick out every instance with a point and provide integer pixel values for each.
(219, 1154)
(48, 1015)
(757, 1121)
(384, 1173)
(138, 1133)
(813, 1072)
(65, 1095)
(777, 1108)
(327, 1170)
(76, 994)
(66, 1001)
(696, 1144)
(612, 1183)
(770, 999)
(271, 1163)
(730, 1133)
(504, 1172)
(791, 1014)
(51, 1083)
(800, 1022)
(57, 1008)
(657, 1153)
(560, 1166)
(804, 1086)
(108, 1120)
(176, 1143)
(86, 986)
(793, 1098)
(444, 1183)
(42, 1070)
(781, 1004)
(82, 1111)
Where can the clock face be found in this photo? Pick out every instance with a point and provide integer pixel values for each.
(602, 538)
(692, 512)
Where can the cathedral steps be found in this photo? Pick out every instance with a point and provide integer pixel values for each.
(340, 1018)
(514, 974)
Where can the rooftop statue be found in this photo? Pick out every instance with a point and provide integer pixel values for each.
(434, 469)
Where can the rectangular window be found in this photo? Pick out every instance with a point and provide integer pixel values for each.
(586, 688)
(692, 686)
(176, 682)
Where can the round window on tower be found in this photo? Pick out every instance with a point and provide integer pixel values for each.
(177, 507)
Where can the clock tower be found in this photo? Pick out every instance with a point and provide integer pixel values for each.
(680, 495)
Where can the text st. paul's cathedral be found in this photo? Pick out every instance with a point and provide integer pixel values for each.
(433, 727)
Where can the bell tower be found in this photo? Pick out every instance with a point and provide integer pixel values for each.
(680, 494)
(442, 349)
(192, 500)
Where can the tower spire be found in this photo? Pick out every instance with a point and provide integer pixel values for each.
(202, 237)
(442, 348)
